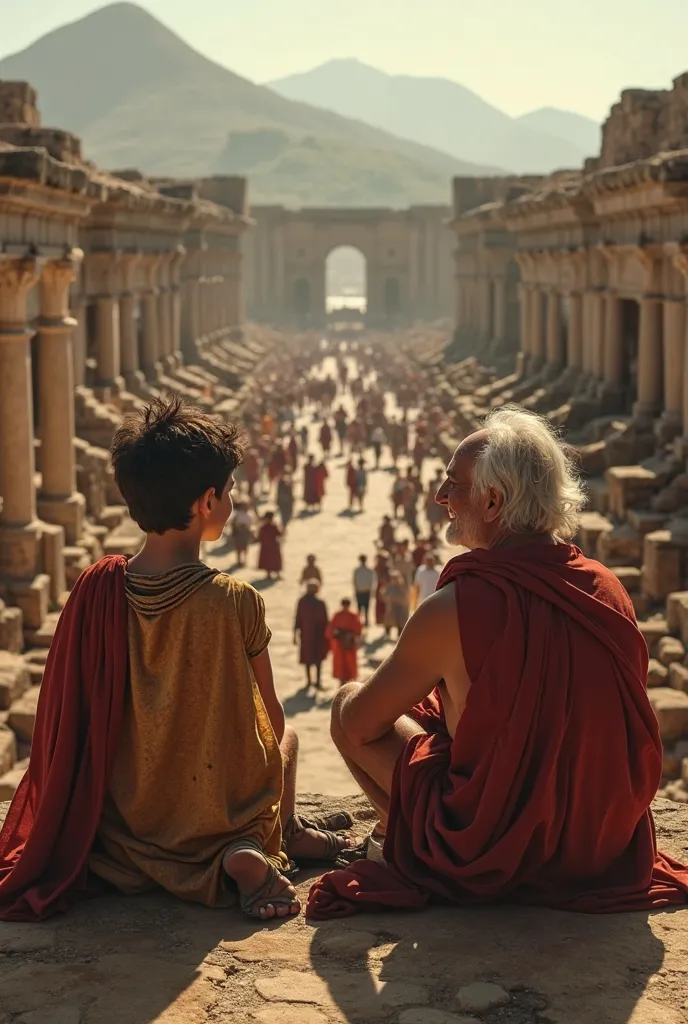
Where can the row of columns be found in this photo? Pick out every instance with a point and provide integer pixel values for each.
(481, 306)
(34, 527)
(594, 344)
(211, 296)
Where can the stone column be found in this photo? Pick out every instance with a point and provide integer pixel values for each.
(575, 340)
(537, 340)
(613, 350)
(175, 304)
(484, 306)
(149, 355)
(597, 327)
(58, 500)
(128, 327)
(649, 360)
(109, 382)
(524, 293)
(555, 353)
(674, 329)
(21, 534)
(79, 340)
(164, 318)
(500, 309)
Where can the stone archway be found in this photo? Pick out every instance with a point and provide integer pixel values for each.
(408, 256)
(346, 281)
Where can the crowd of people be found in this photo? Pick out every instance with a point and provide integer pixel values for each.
(326, 423)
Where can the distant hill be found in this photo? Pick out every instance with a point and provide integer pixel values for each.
(443, 114)
(564, 124)
(139, 96)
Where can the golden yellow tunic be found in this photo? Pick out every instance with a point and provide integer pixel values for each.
(198, 764)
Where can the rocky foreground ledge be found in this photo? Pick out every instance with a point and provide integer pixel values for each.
(153, 959)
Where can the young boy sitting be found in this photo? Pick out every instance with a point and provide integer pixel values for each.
(199, 792)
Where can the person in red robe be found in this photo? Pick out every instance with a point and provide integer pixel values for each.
(311, 492)
(310, 632)
(252, 470)
(321, 476)
(326, 437)
(270, 553)
(526, 768)
(343, 633)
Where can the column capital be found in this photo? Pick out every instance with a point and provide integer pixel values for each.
(55, 282)
(149, 264)
(17, 278)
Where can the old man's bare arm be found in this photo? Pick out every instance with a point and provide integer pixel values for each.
(427, 653)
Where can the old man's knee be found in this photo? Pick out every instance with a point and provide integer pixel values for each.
(337, 727)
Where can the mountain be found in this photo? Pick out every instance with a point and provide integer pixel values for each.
(436, 112)
(139, 96)
(564, 124)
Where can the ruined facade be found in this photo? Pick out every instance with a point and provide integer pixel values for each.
(112, 288)
(407, 254)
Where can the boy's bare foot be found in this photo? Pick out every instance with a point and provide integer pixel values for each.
(263, 892)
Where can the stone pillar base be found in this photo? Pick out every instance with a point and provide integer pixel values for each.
(644, 414)
(53, 559)
(65, 512)
(20, 551)
(153, 373)
(668, 426)
(611, 397)
(136, 384)
(109, 392)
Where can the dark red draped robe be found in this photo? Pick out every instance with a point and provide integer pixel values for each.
(51, 825)
(543, 795)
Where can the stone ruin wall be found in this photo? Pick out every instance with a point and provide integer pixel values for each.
(645, 122)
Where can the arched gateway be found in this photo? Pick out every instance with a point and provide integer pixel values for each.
(408, 255)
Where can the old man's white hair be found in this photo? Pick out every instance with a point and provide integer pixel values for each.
(525, 461)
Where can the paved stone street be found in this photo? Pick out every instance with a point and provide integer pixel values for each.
(337, 538)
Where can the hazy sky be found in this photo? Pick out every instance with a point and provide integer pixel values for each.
(517, 54)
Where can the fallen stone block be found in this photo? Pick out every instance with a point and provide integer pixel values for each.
(653, 630)
(14, 678)
(23, 714)
(671, 708)
(678, 676)
(662, 560)
(620, 546)
(9, 782)
(8, 750)
(670, 649)
(657, 674)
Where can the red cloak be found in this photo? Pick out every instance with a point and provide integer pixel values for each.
(270, 554)
(543, 796)
(51, 825)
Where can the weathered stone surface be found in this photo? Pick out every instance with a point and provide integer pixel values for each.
(283, 1013)
(621, 546)
(360, 995)
(14, 678)
(26, 938)
(670, 649)
(678, 676)
(8, 750)
(481, 996)
(653, 630)
(23, 714)
(343, 943)
(9, 782)
(657, 673)
(671, 708)
(427, 1016)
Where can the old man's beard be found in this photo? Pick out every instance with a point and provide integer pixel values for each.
(461, 529)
